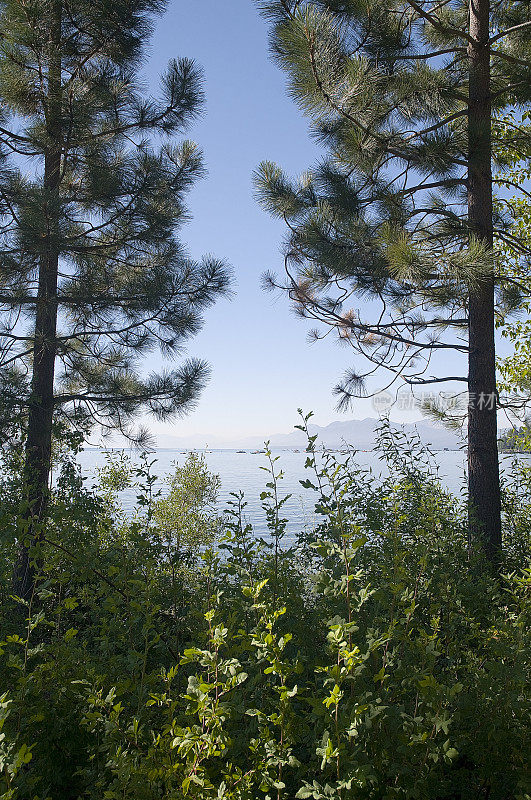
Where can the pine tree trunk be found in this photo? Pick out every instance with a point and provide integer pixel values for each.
(37, 465)
(483, 463)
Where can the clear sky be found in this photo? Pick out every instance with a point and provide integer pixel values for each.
(263, 366)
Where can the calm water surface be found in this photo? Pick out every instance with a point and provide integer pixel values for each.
(240, 471)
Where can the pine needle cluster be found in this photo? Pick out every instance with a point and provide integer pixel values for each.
(383, 219)
(126, 287)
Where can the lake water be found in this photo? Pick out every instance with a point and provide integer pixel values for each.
(240, 471)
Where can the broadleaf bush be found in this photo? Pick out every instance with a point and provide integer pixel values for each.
(172, 653)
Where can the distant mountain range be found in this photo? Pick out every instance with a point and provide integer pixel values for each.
(360, 434)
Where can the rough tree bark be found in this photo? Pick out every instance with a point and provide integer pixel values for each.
(38, 449)
(483, 463)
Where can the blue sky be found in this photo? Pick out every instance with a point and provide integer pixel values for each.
(263, 366)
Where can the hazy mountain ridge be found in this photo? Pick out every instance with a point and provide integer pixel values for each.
(360, 434)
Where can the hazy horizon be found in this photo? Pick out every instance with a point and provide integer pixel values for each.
(338, 432)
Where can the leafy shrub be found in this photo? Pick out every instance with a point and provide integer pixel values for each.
(173, 654)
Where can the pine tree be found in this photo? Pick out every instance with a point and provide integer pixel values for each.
(92, 275)
(401, 212)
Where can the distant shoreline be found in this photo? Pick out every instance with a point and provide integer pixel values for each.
(301, 450)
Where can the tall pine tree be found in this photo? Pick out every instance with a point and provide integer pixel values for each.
(92, 275)
(403, 95)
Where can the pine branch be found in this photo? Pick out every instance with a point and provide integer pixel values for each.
(437, 25)
(513, 29)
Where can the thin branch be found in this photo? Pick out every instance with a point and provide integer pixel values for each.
(508, 31)
(438, 25)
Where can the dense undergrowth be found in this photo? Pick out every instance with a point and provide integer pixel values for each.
(176, 655)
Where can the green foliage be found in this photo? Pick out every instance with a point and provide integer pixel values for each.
(186, 516)
(515, 370)
(516, 439)
(383, 218)
(108, 229)
(169, 652)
